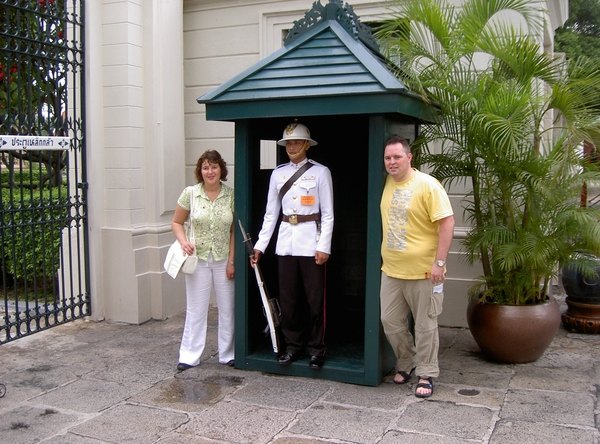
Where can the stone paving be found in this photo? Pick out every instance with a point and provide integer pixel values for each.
(90, 383)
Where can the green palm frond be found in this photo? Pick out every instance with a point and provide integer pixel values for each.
(513, 119)
(478, 16)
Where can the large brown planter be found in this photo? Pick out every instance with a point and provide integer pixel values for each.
(513, 334)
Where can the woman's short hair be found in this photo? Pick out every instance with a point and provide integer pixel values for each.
(210, 156)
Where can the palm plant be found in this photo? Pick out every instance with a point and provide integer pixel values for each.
(512, 121)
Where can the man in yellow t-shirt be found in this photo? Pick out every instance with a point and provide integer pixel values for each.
(418, 226)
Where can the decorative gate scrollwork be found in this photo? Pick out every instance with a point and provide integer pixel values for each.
(43, 238)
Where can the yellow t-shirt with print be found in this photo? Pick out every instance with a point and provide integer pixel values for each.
(409, 211)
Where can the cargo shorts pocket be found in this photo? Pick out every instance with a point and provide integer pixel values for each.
(435, 307)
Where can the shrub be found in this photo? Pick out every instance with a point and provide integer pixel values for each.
(30, 236)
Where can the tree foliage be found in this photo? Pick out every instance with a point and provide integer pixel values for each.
(33, 76)
(580, 35)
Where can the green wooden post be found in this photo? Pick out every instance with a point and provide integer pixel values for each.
(243, 193)
(374, 361)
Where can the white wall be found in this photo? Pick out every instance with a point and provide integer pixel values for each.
(147, 61)
(135, 146)
(223, 38)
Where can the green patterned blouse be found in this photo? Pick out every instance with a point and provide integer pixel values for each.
(211, 220)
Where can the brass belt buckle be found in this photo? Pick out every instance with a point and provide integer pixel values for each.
(293, 219)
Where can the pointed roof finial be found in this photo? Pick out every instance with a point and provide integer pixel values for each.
(334, 10)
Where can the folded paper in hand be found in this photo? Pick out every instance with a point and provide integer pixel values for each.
(177, 261)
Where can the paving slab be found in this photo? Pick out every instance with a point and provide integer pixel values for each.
(88, 332)
(553, 379)
(35, 380)
(142, 368)
(446, 419)
(218, 374)
(469, 376)
(88, 396)
(478, 395)
(235, 422)
(574, 360)
(282, 392)
(30, 424)
(29, 351)
(575, 409)
(128, 423)
(295, 440)
(336, 422)
(386, 396)
(184, 438)
(111, 383)
(71, 438)
(396, 437)
(183, 394)
(510, 432)
(464, 364)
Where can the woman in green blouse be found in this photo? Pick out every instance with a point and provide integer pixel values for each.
(212, 224)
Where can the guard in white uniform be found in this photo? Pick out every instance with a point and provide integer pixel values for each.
(303, 243)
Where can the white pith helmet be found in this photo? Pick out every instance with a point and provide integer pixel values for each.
(296, 131)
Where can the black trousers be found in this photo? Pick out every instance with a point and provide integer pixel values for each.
(302, 321)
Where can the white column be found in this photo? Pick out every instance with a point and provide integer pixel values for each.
(136, 154)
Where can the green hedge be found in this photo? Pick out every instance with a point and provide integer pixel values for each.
(30, 235)
(26, 178)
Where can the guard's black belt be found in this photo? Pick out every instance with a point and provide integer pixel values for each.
(299, 218)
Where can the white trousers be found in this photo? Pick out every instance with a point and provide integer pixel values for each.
(209, 274)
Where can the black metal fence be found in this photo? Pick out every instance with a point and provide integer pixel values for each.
(43, 240)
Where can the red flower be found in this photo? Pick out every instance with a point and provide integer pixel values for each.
(60, 34)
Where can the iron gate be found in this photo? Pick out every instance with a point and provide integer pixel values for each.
(43, 239)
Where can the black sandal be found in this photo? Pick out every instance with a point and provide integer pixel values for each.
(404, 375)
(426, 385)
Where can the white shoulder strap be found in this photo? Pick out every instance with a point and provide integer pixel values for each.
(190, 225)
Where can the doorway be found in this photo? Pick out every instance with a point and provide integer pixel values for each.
(343, 148)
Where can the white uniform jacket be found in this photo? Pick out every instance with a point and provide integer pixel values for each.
(311, 193)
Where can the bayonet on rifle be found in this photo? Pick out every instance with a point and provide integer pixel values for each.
(271, 308)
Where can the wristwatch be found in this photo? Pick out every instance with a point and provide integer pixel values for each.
(440, 263)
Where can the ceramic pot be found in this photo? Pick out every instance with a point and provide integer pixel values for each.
(579, 288)
(583, 301)
(513, 334)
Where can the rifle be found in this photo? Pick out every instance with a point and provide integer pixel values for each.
(271, 308)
